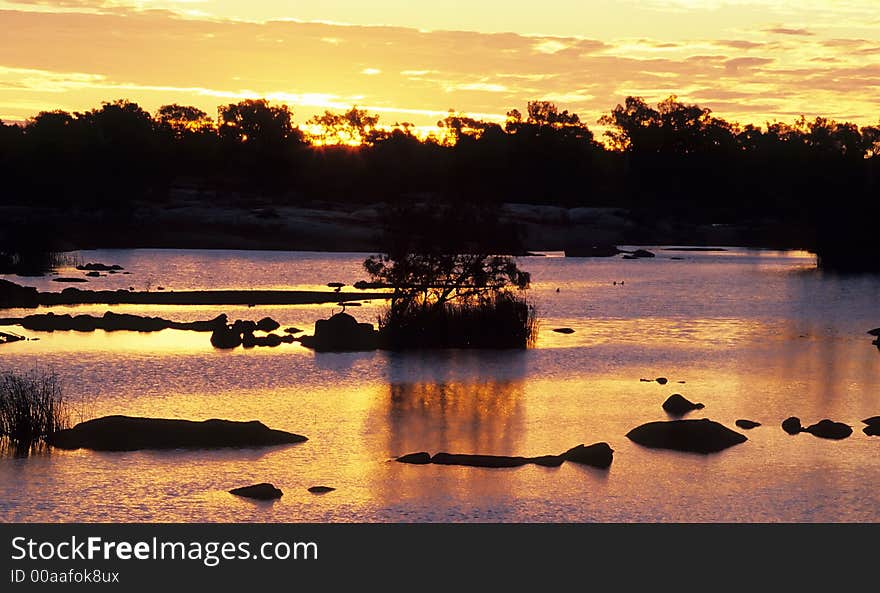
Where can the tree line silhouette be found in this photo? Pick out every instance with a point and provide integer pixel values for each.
(671, 159)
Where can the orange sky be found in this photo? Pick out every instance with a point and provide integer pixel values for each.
(747, 60)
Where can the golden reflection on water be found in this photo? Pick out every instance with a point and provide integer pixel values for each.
(758, 338)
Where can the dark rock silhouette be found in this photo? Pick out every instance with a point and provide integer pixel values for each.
(342, 333)
(874, 332)
(596, 455)
(678, 405)
(564, 330)
(264, 491)
(828, 429)
(244, 326)
(321, 489)
(93, 274)
(225, 338)
(792, 425)
(271, 340)
(99, 267)
(66, 279)
(747, 424)
(292, 330)
(493, 461)
(267, 324)
(109, 322)
(15, 295)
(6, 338)
(662, 380)
(693, 436)
(420, 458)
(126, 433)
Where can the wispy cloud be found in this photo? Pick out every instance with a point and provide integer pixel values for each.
(154, 57)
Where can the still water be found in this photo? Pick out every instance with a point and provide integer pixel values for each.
(752, 334)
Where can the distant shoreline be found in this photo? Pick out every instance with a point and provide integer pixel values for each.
(196, 220)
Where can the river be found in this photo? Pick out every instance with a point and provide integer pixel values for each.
(751, 334)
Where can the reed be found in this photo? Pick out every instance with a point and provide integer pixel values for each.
(32, 407)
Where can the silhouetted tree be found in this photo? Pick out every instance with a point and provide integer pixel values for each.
(441, 263)
(355, 127)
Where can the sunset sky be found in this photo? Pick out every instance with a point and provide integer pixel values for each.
(748, 60)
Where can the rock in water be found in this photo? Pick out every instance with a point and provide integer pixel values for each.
(321, 489)
(875, 332)
(677, 405)
(792, 425)
(828, 429)
(596, 455)
(420, 458)
(693, 436)
(342, 333)
(225, 338)
(639, 253)
(564, 330)
(267, 324)
(662, 380)
(479, 460)
(873, 426)
(747, 424)
(262, 491)
(125, 433)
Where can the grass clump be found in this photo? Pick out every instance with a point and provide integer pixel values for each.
(32, 407)
(498, 320)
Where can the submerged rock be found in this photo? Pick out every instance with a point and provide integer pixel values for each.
(342, 333)
(264, 491)
(693, 436)
(828, 429)
(420, 458)
(678, 405)
(747, 424)
(99, 267)
(482, 460)
(321, 489)
(596, 455)
(792, 425)
(126, 433)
